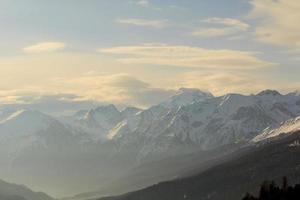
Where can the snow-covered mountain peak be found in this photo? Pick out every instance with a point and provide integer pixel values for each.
(269, 93)
(79, 114)
(96, 122)
(26, 116)
(107, 113)
(230, 103)
(106, 109)
(270, 97)
(287, 127)
(130, 111)
(232, 98)
(193, 90)
(186, 96)
(25, 122)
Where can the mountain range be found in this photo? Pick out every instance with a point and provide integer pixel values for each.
(94, 149)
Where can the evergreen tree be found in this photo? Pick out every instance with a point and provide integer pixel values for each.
(269, 191)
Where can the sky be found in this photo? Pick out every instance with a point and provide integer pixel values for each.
(139, 52)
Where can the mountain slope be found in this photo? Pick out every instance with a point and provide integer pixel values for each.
(9, 191)
(39, 151)
(150, 173)
(98, 122)
(12, 197)
(23, 122)
(232, 179)
(284, 129)
(162, 133)
(181, 166)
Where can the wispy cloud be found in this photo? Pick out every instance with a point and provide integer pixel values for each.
(44, 47)
(221, 82)
(220, 27)
(143, 22)
(86, 90)
(228, 22)
(55, 104)
(143, 3)
(278, 22)
(187, 56)
(118, 88)
(91, 89)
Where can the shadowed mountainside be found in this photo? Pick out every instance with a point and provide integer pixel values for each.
(9, 191)
(232, 179)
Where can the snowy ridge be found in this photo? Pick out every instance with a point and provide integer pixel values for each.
(24, 122)
(190, 117)
(207, 123)
(186, 96)
(287, 127)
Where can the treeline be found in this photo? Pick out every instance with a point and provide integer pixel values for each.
(270, 191)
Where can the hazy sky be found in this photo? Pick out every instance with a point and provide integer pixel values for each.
(138, 52)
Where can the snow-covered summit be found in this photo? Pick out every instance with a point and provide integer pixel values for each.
(186, 96)
(269, 92)
(24, 122)
(96, 122)
(105, 116)
(130, 111)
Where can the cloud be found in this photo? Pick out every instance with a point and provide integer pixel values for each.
(278, 22)
(228, 22)
(220, 83)
(91, 90)
(213, 32)
(121, 89)
(143, 22)
(54, 104)
(221, 27)
(44, 47)
(84, 92)
(143, 3)
(186, 56)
